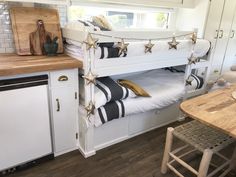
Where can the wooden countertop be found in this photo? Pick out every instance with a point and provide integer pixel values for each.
(11, 64)
(216, 109)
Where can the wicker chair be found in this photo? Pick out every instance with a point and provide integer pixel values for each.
(198, 137)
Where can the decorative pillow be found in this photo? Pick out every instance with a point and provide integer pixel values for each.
(102, 22)
(197, 81)
(134, 87)
(108, 90)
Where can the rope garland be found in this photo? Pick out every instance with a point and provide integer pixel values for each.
(141, 39)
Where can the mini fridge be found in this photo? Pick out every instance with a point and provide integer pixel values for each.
(25, 132)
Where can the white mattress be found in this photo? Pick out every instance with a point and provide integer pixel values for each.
(160, 49)
(164, 87)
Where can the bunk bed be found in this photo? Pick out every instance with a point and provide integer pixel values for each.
(143, 57)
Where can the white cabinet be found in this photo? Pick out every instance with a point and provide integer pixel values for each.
(230, 55)
(64, 104)
(218, 31)
(27, 102)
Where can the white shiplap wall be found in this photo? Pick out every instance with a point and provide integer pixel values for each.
(6, 37)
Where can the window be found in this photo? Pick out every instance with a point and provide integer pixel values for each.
(124, 18)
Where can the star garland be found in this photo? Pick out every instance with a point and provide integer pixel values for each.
(148, 47)
(91, 42)
(194, 38)
(90, 78)
(188, 81)
(192, 59)
(122, 46)
(173, 44)
(90, 109)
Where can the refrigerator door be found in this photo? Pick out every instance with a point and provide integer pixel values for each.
(25, 132)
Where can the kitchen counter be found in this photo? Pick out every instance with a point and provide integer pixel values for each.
(11, 64)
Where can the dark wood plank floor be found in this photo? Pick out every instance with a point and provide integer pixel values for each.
(138, 157)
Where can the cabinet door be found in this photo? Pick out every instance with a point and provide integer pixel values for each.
(24, 125)
(230, 55)
(64, 119)
(213, 26)
(213, 20)
(222, 36)
(64, 89)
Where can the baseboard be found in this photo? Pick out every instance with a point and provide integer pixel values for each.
(112, 142)
(86, 154)
(64, 152)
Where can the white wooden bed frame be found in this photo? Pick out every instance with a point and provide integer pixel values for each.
(93, 138)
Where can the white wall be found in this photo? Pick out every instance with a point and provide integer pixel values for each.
(188, 19)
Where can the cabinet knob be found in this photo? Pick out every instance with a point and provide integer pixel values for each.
(216, 71)
(63, 78)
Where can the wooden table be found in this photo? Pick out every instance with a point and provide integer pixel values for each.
(216, 109)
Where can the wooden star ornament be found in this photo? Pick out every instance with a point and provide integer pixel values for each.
(91, 42)
(90, 109)
(194, 38)
(173, 44)
(122, 46)
(188, 82)
(192, 59)
(148, 47)
(90, 78)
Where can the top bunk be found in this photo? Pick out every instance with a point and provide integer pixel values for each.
(107, 53)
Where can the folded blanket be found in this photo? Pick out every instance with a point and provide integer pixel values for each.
(112, 110)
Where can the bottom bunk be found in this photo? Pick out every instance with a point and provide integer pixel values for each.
(120, 114)
(95, 138)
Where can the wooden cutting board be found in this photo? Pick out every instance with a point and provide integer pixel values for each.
(25, 28)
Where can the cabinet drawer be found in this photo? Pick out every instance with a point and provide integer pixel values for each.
(63, 78)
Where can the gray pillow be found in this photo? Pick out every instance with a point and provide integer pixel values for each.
(233, 68)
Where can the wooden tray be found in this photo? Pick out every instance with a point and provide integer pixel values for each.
(24, 26)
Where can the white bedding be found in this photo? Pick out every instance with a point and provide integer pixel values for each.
(164, 87)
(160, 49)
